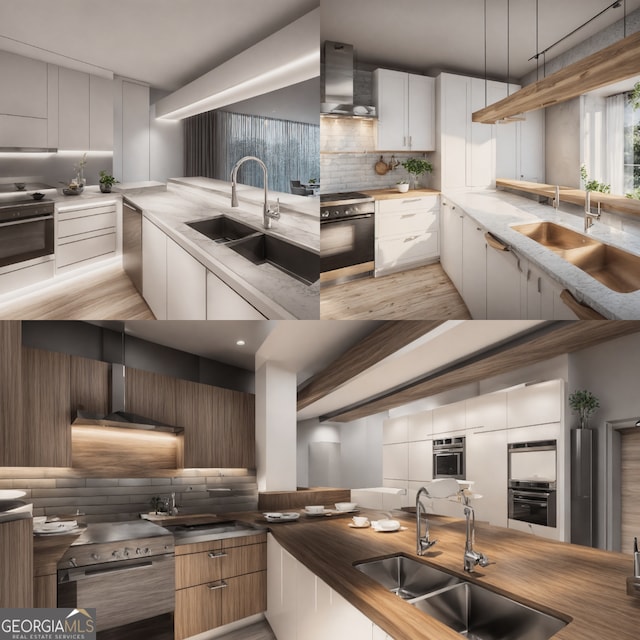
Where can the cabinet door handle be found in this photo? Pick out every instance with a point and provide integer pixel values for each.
(528, 275)
(539, 285)
(495, 243)
(411, 238)
(410, 140)
(583, 311)
(217, 554)
(411, 200)
(220, 584)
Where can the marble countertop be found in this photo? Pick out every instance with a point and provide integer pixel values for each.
(272, 292)
(498, 211)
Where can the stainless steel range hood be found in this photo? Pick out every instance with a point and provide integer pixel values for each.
(118, 417)
(337, 90)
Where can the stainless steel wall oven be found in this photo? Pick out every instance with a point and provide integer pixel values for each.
(448, 458)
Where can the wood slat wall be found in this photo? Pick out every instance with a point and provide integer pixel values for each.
(283, 500)
(11, 438)
(630, 489)
(16, 564)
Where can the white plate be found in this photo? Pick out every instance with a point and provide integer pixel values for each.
(353, 525)
(281, 517)
(343, 510)
(11, 494)
(56, 527)
(317, 513)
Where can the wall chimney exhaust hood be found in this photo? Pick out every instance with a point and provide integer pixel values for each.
(118, 417)
(337, 89)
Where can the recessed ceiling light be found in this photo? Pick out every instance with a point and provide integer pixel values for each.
(240, 343)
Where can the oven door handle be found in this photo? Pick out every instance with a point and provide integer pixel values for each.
(358, 217)
(538, 503)
(88, 573)
(25, 221)
(530, 494)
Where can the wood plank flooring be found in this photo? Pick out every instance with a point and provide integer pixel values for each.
(104, 294)
(257, 631)
(424, 293)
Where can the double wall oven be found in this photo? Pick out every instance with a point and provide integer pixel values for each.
(532, 482)
(347, 232)
(26, 233)
(448, 458)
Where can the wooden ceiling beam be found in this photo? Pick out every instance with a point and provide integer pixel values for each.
(378, 345)
(556, 339)
(618, 61)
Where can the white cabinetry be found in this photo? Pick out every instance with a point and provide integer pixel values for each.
(474, 273)
(406, 233)
(535, 404)
(223, 303)
(24, 83)
(301, 606)
(154, 269)
(421, 461)
(451, 245)
(449, 418)
(73, 103)
(85, 234)
(395, 461)
(420, 426)
(134, 156)
(504, 275)
(395, 430)
(186, 285)
(406, 108)
(487, 412)
(100, 114)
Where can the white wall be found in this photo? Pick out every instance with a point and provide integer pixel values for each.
(309, 431)
(166, 146)
(563, 145)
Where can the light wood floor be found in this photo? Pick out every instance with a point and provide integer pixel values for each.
(258, 631)
(423, 293)
(105, 294)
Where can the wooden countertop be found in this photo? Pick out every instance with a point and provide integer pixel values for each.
(608, 202)
(47, 551)
(586, 587)
(393, 194)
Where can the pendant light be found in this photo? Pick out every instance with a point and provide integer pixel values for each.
(516, 117)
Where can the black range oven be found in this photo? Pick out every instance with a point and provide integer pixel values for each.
(448, 458)
(347, 231)
(26, 231)
(533, 502)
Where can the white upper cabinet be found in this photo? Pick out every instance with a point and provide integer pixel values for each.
(420, 426)
(24, 86)
(487, 412)
(73, 115)
(100, 114)
(535, 404)
(395, 430)
(449, 418)
(135, 132)
(406, 111)
(395, 461)
(454, 121)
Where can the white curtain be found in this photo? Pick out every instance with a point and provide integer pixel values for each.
(615, 142)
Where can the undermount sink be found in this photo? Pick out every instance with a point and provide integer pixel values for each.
(222, 229)
(296, 261)
(615, 268)
(184, 533)
(471, 610)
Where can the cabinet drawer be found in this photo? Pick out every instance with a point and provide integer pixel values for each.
(86, 223)
(68, 213)
(198, 568)
(402, 250)
(400, 205)
(405, 223)
(73, 252)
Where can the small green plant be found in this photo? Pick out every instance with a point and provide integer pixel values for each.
(107, 178)
(593, 185)
(635, 194)
(583, 403)
(417, 166)
(634, 96)
(312, 180)
(157, 504)
(402, 182)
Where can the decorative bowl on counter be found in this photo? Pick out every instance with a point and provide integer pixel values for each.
(73, 190)
(402, 187)
(37, 195)
(346, 506)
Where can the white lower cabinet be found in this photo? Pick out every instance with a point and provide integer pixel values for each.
(300, 606)
(154, 268)
(186, 285)
(474, 273)
(451, 246)
(421, 461)
(223, 303)
(504, 275)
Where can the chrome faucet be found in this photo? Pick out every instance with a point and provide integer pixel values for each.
(556, 199)
(589, 217)
(267, 214)
(422, 542)
(471, 557)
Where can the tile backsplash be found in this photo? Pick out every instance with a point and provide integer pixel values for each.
(63, 492)
(347, 157)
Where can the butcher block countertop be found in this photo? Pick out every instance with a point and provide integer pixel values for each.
(585, 587)
(394, 194)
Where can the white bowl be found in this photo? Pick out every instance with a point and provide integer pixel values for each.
(273, 515)
(346, 506)
(402, 188)
(314, 508)
(388, 525)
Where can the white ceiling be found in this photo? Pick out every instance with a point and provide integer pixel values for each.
(165, 43)
(433, 35)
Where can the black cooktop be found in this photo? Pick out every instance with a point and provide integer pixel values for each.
(344, 196)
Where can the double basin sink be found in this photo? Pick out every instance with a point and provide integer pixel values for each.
(617, 269)
(465, 607)
(192, 533)
(260, 248)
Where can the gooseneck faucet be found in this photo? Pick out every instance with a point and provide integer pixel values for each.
(471, 557)
(267, 214)
(589, 218)
(422, 542)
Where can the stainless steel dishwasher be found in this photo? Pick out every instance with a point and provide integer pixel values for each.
(132, 243)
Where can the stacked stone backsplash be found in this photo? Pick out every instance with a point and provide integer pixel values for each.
(64, 492)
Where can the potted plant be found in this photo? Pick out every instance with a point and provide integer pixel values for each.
(106, 182)
(157, 504)
(593, 185)
(402, 186)
(583, 403)
(634, 96)
(416, 167)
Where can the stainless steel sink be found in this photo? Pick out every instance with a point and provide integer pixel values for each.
(184, 533)
(222, 229)
(471, 610)
(480, 614)
(296, 261)
(406, 577)
(617, 269)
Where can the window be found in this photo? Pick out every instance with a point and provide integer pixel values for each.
(631, 147)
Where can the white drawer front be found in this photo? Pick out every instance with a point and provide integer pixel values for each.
(404, 250)
(86, 223)
(75, 252)
(407, 223)
(66, 213)
(398, 205)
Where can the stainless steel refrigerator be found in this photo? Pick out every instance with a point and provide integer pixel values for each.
(582, 486)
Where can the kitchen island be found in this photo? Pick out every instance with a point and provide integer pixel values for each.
(582, 586)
